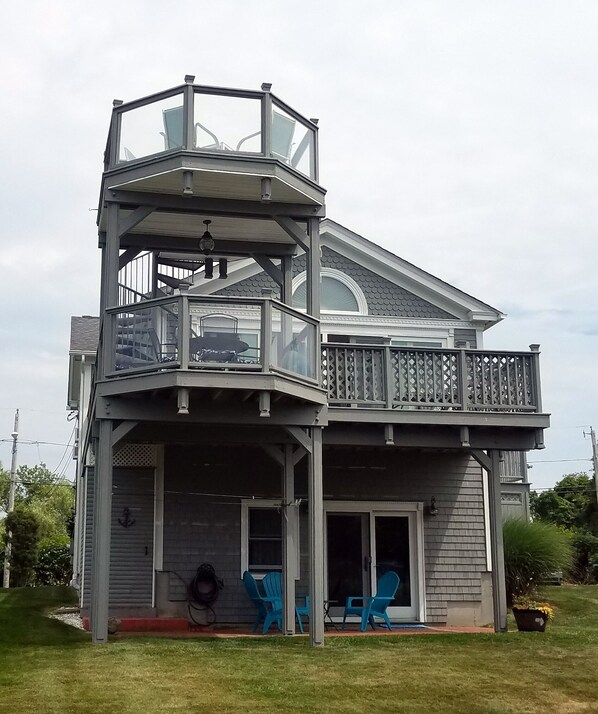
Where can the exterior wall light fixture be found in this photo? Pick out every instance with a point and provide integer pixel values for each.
(433, 508)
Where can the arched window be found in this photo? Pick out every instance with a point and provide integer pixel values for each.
(338, 293)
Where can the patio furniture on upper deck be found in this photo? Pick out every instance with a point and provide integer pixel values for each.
(218, 340)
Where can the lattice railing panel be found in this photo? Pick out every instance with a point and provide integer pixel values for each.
(402, 377)
(500, 381)
(425, 377)
(354, 374)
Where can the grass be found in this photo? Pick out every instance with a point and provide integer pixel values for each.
(47, 667)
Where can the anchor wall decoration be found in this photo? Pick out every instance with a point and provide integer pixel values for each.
(126, 521)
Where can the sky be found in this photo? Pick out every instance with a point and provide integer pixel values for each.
(460, 135)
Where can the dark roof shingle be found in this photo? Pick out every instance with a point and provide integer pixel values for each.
(85, 333)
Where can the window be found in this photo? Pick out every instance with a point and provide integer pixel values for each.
(338, 293)
(261, 537)
(264, 540)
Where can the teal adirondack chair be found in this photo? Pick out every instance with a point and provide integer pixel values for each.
(273, 588)
(375, 606)
(256, 598)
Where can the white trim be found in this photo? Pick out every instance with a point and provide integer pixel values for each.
(486, 499)
(346, 280)
(246, 504)
(158, 517)
(391, 508)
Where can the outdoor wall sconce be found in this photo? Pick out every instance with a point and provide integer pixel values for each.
(206, 242)
(208, 269)
(433, 508)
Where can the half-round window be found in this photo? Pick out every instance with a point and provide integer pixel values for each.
(335, 295)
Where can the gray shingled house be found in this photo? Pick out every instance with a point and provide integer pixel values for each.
(275, 392)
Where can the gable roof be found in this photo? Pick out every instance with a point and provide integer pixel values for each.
(382, 262)
(409, 276)
(85, 334)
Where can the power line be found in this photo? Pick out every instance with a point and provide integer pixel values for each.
(27, 442)
(556, 461)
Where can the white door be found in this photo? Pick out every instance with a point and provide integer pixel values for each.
(363, 543)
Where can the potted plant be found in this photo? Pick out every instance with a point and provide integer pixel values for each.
(531, 615)
(532, 551)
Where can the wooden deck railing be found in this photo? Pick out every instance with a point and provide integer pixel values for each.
(417, 378)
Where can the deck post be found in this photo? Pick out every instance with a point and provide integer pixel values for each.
(289, 530)
(102, 508)
(499, 590)
(316, 540)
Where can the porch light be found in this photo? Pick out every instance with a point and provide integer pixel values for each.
(206, 242)
(208, 269)
(433, 508)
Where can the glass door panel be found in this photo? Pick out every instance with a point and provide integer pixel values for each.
(393, 546)
(392, 553)
(347, 557)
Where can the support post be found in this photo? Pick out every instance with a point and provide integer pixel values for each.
(316, 540)
(102, 508)
(289, 530)
(499, 591)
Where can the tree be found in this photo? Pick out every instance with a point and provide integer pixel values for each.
(25, 538)
(50, 503)
(572, 505)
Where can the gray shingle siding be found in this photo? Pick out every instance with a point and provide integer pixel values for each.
(383, 297)
(131, 549)
(202, 517)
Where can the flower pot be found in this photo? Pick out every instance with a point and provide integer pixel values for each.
(530, 620)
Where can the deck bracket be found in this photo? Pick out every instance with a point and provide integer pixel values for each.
(129, 222)
(293, 229)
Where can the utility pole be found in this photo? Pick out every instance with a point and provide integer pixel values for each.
(594, 459)
(11, 500)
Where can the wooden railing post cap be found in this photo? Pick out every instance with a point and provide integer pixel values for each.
(184, 287)
(189, 78)
(534, 348)
(266, 86)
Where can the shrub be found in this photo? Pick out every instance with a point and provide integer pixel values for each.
(533, 550)
(25, 528)
(585, 560)
(53, 565)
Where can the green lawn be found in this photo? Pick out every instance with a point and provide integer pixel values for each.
(47, 667)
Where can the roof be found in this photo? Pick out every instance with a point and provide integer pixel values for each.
(85, 334)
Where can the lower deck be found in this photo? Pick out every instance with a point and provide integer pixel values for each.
(422, 513)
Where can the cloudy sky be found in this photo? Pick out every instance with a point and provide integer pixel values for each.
(461, 135)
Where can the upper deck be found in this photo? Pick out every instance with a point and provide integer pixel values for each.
(214, 142)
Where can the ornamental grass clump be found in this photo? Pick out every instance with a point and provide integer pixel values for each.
(533, 550)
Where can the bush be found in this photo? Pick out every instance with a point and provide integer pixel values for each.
(53, 565)
(585, 560)
(25, 528)
(533, 550)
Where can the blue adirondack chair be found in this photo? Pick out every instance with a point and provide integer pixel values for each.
(273, 588)
(256, 598)
(375, 606)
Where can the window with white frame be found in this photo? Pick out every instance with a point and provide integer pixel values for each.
(262, 537)
(338, 293)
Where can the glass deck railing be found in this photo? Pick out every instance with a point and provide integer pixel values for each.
(198, 332)
(214, 120)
